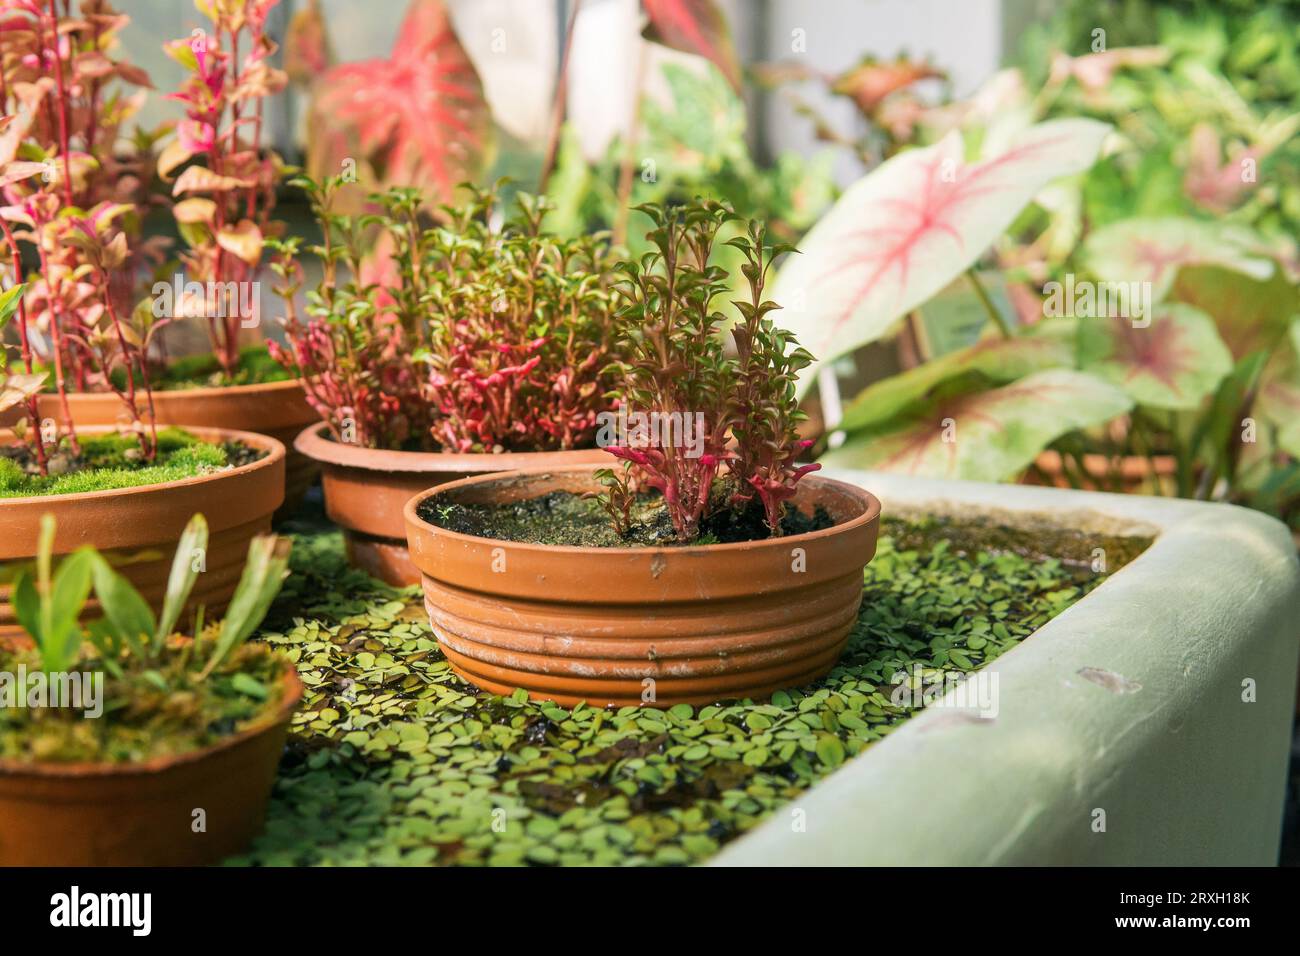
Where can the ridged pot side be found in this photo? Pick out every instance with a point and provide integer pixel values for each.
(143, 814)
(137, 528)
(366, 490)
(278, 410)
(643, 626)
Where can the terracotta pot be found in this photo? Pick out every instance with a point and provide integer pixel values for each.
(138, 528)
(654, 626)
(96, 814)
(277, 409)
(366, 490)
(1129, 474)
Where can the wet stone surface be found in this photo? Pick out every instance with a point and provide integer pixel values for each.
(395, 760)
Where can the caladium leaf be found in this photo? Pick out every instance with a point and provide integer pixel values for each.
(1174, 362)
(417, 119)
(694, 26)
(1279, 393)
(912, 225)
(989, 435)
(1251, 313)
(1154, 250)
(996, 360)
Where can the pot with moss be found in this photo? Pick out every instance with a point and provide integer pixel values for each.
(102, 334)
(131, 501)
(710, 566)
(475, 350)
(123, 743)
(273, 405)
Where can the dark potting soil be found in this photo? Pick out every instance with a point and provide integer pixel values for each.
(567, 519)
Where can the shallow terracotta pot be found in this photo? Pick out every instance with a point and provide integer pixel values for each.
(366, 490)
(137, 528)
(651, 626)
(276, 409)
(1129, 474)
(143, 814)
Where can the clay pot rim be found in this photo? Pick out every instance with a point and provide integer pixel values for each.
(292, 696)
(313, 443)
(274, 448)
(204, 391)
(415, 524)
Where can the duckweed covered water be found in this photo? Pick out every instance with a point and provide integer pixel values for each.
(395, 760)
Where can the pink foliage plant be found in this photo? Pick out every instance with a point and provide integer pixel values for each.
(737, 413)
(463, 336)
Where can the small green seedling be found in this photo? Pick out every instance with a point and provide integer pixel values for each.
(49, 606)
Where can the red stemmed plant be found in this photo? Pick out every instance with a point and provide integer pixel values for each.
(229, 183)
(63, 109)
(474, 338)
(713, 431)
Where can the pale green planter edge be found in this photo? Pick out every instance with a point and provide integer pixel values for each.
(1185, 770)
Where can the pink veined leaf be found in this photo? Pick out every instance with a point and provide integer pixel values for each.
(418, 118)
(1211, 182)
(911, 226)
(1153, 250)
(986, 435)
(1175, 362)
(694, 26)
(997, 359)
(1279, 405)
(1250, 313)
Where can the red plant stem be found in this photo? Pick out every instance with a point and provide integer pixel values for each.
(148, 447)
(63, 106)
(56, 330)
(33, 411)
(94, 99)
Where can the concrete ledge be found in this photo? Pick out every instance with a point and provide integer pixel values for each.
(1158, 736)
